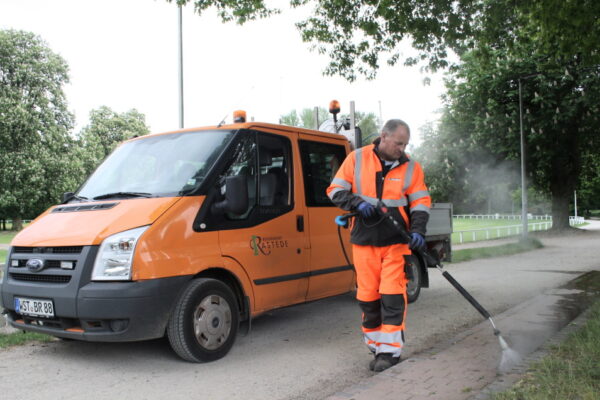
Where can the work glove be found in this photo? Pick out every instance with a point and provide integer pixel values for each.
(417, 241)
(366, 210)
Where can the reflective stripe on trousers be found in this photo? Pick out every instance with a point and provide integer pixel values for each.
(383, 324)
(382, 295)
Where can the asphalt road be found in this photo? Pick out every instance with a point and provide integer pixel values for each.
(302, 352)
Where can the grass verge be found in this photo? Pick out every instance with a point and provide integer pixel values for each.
(570, 371)
(7, 236)
(19, 338)
(3, 254)
(496, 251)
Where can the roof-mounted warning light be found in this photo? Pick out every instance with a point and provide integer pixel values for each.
(334, 108)
(239, 116)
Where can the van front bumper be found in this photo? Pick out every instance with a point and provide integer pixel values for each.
(109, 311)
(86, 310)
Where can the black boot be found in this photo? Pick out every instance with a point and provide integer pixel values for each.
(384, 361)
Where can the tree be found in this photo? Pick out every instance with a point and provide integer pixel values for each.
(291, 119)
(561, 106)
(34, 126)
(107, 128)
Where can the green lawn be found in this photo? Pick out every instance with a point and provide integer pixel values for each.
(496, 228)
(570, 371)
(496, 251)
(6, 236)
(18, 338)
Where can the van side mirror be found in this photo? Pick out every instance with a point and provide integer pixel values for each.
(67, 196)
(236, 196)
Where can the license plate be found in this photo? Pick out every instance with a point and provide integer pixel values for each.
(34, 307)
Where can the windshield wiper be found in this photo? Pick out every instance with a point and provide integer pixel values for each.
(123, 194)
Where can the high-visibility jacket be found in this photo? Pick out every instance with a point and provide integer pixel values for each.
(401, 189)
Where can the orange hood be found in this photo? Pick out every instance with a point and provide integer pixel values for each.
(72, 227)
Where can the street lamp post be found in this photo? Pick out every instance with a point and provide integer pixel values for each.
(523, 180)
(180, 47)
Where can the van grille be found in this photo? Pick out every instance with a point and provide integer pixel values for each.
(47, 263)
(41, 278)
(49, 250)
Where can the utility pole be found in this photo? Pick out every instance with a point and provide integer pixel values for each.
(523, 181)
(575, 204)
(180, 28)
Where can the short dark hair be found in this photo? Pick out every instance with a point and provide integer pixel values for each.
(393, 124)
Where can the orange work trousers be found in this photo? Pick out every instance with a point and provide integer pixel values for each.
(382, 295)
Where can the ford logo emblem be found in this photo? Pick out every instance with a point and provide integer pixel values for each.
(35, 265)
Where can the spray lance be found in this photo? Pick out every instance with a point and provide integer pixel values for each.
(509, 356)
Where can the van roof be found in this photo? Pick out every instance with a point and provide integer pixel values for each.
(254, 125)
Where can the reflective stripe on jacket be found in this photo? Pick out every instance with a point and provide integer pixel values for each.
(360, 178)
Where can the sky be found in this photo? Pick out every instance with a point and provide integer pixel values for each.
(123, 54)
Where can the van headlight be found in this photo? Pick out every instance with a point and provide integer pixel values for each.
(113, 262)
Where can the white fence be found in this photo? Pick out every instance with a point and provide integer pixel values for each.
(472, 235)
(503, 216)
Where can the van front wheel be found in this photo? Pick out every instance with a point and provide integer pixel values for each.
(205, 321)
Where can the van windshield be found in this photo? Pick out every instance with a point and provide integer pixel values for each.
(157, 166)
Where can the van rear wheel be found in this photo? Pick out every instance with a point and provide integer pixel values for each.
(413, 287)
(205, 321)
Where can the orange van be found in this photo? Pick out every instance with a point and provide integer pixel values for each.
(190, 234)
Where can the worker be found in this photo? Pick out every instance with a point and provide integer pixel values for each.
(373, 178)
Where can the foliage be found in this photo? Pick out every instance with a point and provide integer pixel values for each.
(107, 128)
(357, 33)
(292, 119)
(39, 159)
(588, 193)
(34, 126)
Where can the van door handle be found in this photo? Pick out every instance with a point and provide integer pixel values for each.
(300, 223)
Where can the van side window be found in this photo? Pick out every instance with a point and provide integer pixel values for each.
(265, 160)
(244, 163)
(275, 170)
(320, 162)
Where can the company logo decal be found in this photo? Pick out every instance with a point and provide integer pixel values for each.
(265, 245)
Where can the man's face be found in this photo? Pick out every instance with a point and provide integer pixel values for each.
(393, 144)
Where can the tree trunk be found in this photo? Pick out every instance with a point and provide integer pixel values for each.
(560, 211)
(17, 224)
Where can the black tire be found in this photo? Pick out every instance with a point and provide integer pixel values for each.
(205, 321)
(413, 288)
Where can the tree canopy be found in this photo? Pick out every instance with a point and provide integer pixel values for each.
(39, 158)
(34, 125)
(358, 34)
(106, 129)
